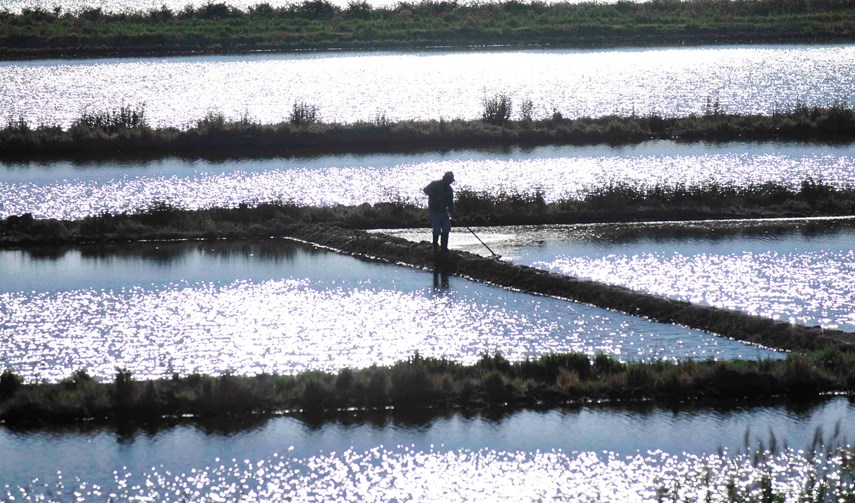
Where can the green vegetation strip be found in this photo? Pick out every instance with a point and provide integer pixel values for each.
(420, 382)
(618, 203)
(318, 25)
(125, 133)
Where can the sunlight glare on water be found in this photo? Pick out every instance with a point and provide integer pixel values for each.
(245, 319)
(124, 457)
(799, 271)
(350, 87)
(64, 190)
(404, 473)
(813, 288)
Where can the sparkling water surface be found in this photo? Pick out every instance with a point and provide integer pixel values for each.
(279, 307)
(585, 453)
(349, 87)
(69, 190)
(401, 474)
(795, 270)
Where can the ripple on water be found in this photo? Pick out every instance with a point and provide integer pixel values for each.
(796, 270)
(808, 288)
(291, 325)
(558, 173)
(407, 474)
(350, 87)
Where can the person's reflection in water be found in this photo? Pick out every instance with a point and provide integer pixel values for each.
(440, 279)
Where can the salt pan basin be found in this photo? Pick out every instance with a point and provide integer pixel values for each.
(279, 307)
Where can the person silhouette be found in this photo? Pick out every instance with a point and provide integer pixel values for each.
(440, 211)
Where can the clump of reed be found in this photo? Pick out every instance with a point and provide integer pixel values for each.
(429, 382)
(112, 121)
(765, 469)
(497, 109)
(303, 114)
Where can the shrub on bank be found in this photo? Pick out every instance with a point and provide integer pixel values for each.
(497, 109)
(9, 384)
(112, 121)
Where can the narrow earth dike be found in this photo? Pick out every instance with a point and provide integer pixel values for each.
(124, 133)
(216, 28)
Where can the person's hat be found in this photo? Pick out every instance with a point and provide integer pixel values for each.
(448, 176)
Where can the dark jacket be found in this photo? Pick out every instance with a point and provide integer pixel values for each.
(440, 196)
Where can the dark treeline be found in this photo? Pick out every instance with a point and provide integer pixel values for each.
(550, 380)
(124, 132)
(317, 24)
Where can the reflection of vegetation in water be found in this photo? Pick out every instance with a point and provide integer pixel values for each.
(708, 231)
(427, 382)
(167, 253)
(318, 24)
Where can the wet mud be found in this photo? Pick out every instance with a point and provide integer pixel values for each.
(733, 324)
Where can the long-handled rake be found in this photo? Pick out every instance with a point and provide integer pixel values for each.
(496, 256)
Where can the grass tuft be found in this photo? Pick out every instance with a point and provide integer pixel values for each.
(303, 114)
(497, 109)
(126, 117)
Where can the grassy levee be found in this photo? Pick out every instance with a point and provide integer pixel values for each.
(421, 382)
(163, 221)
(317, 24)
(125, 133)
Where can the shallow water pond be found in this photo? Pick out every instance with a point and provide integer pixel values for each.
(69, 190)
(276, 306)
(349, 87)
(585, 453)
(795, 270)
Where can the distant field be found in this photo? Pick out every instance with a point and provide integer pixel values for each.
(319, 25)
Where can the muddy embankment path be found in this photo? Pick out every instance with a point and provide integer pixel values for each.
(733, 324)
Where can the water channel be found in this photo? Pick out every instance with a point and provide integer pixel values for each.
(72, 190)
(364, 86)
(631, 451)
(279, 307)
(798, 270)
